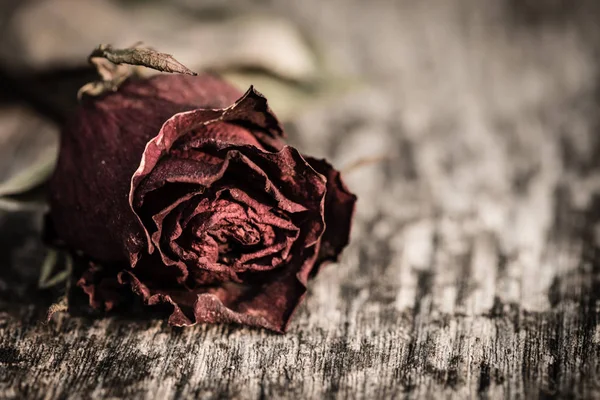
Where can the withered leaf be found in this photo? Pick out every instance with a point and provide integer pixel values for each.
(143, 57)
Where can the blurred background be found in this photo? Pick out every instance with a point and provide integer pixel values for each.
(409, 67)
(474, 125)
(462, 102)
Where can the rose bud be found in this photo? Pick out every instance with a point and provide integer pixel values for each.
(183, 190)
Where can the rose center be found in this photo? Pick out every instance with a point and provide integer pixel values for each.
(232, 232)
(233, 239)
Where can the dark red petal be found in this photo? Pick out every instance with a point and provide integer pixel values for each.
(339, 210)
(102, 288)
(105, 207)
(101, 148)
(254, 113)
(268, 303)
(250, 110)
(273, 173)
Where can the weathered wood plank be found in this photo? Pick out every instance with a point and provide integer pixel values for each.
(474, 268)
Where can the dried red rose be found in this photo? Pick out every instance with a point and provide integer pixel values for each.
(192, 198)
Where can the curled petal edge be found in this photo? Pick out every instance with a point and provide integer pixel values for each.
(251, 108)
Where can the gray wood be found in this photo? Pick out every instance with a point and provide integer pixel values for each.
(474, 269)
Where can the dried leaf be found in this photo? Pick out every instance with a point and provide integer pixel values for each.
(143, 57)
(12, 204)
(49, 277)
(28, 150)
(267, 43)
(270, 44)
(62, 305)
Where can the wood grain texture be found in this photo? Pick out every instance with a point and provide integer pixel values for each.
(474, 269)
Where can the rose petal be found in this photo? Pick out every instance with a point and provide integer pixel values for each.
(239, 219)
(102, 288)
(100, 150)
(251, 109)
(339, 210)
(269, 304)
(293, 175)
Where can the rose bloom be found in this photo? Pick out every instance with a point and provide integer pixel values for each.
(183, 190)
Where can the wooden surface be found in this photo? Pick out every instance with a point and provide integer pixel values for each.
(474, 269)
